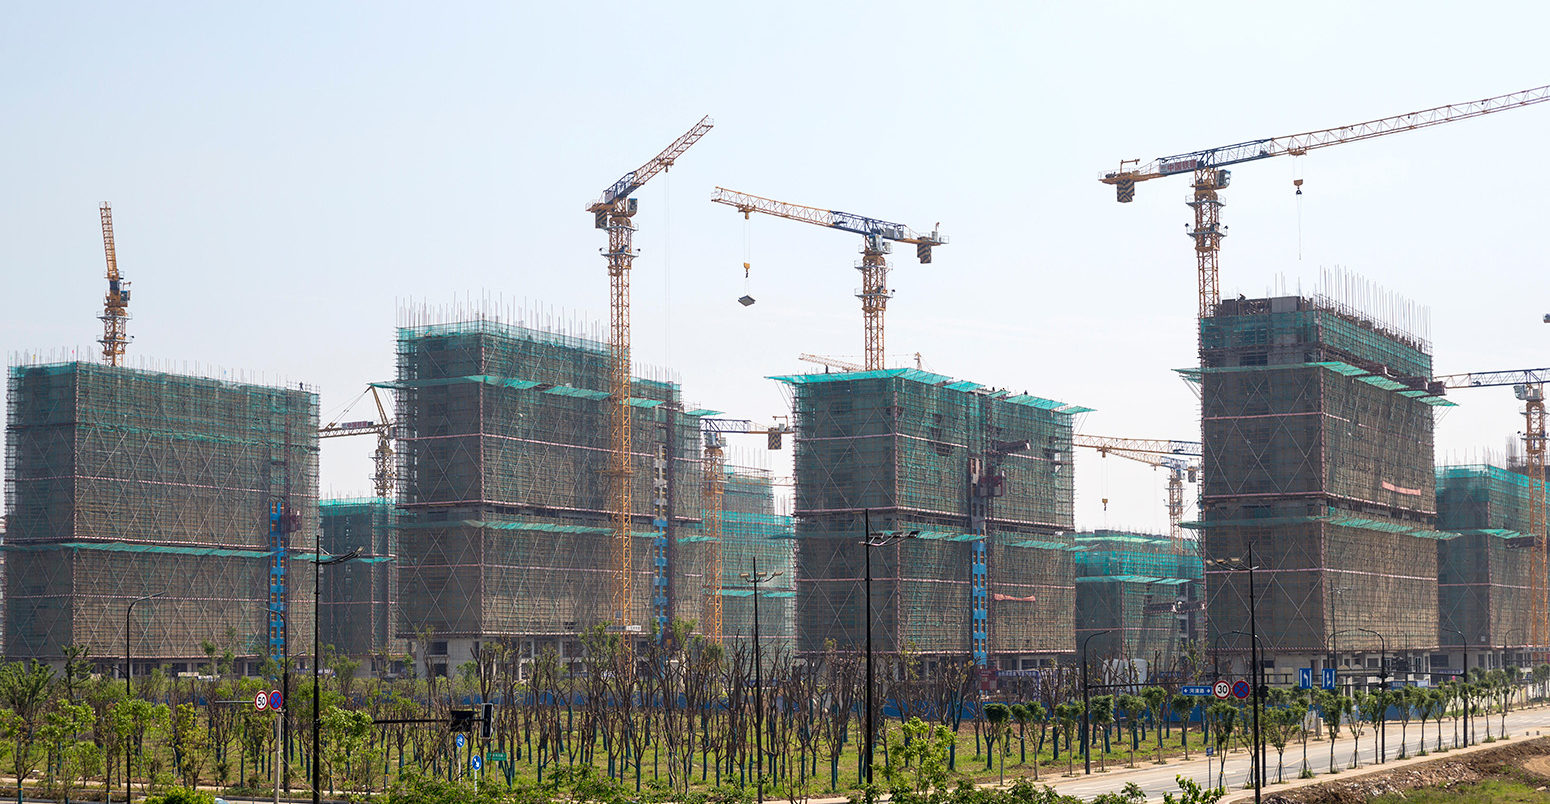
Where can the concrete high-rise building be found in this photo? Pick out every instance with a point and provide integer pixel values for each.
(123, 483)
(981, 476)
(1318, 460)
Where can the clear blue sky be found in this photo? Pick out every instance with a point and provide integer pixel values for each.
(284, 176)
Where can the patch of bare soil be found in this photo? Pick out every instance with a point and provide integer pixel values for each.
(1532, 755)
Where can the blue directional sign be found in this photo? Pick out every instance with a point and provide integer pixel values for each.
(1329, 678)
(460, 740)
(1202, 690)
(1305, 678)
(476, 762)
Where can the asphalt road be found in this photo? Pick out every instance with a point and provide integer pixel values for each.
(1158, 779)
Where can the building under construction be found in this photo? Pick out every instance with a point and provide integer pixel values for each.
(1483, 588)
(359, 597)
(1143, 590)
(124, 484)
(505, 531)
(974, 484)
(753, 536)
(1318, 467)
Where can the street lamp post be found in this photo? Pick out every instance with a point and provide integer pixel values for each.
(1087, 715)
(755, 577)
(1383, 686)
(318, 562)
(1256, 661)
(1464, 640)
(129, 679)
(868, 541)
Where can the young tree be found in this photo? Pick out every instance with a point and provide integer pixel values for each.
(1333, 708)
(1102, 717)
(1132, 706)
(1022, 717)
(25, 688)
(1184, 706)
(997, 715)
(1157, 701)
(1224, 719)
(1067, 715)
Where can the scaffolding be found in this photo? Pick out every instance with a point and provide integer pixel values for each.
(982, 475)
(752, 531)
(123, 483)
(358, 615)
(1318, 460)
(1483, 588)
(1141, 590)
(505, 525)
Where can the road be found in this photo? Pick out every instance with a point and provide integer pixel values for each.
(1158, 779)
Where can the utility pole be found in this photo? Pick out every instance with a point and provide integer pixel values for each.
(755, 577)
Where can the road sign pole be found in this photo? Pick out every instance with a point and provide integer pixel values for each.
(277, 718)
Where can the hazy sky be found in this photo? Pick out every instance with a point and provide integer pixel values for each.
(285, 176)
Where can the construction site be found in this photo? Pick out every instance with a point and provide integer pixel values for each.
(176, 491)
(1139, 596)
(967, 493)
(533, 483)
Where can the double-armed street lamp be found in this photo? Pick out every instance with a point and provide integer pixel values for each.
(1256, 658)
(870, 540)
(1468, 713)
(1087, 706)
(756, 577)
(129, 675)
(318, 562)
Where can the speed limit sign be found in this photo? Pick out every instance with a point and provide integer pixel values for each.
(261, 701)
(1221, 689)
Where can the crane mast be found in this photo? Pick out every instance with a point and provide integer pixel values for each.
(115, 305)
(612, 212)
(875, 247)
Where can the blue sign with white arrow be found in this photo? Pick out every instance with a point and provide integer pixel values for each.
(1329, 678)
(1201, 690)
(1305, 678)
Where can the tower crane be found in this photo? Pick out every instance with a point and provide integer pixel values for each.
(715, 431)
(382, 428)
(876, 235)
(1208, 169)
(115, 305)
(1529, 387)
(612, 212)
(1156, 453)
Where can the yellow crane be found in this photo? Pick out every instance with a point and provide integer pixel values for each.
(876, 234)
(1210, 176)
(1171, 455)
(612, 212)
(715, 464)
(115, 306)
(382, 428)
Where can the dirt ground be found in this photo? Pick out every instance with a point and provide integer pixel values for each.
(1513, 758)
